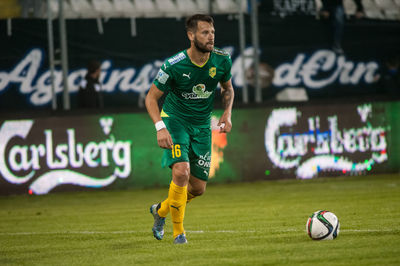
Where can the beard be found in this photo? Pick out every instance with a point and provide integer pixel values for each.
(201, 47)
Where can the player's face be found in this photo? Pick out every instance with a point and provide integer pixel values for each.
(204, 37)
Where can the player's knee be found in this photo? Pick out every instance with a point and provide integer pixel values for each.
(198, 191)
(181, 172)
(197, 186)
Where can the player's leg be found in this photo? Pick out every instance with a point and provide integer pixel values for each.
(159, 222)
(177, 197)
(176, 158)
(196, 187)
(176, 204)
(200, 161)
(178, 153)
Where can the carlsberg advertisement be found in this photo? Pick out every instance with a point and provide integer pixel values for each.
(41, 155)
(119, 151)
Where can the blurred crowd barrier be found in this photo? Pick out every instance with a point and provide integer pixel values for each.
(296, 62)
(374, 9)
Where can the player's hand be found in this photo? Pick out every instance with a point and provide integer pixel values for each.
(359, 15)
(325, 14)
(225, 123)
(164, 139)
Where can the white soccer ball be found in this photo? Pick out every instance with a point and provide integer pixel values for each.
(323, 225)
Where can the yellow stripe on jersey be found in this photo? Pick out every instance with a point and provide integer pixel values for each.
(199, 65)
(164, 114)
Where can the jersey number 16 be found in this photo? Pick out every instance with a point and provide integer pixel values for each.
(176, 151)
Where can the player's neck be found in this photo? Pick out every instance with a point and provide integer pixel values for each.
(197, 57)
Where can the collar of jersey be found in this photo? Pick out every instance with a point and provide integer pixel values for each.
(195, 63)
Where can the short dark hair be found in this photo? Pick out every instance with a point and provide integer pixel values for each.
(93, 66)
(191, 22)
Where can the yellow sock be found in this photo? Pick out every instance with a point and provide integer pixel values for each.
(177, 197)
(190, 196)
(164, 209)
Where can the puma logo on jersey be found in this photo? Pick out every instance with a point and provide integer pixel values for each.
(187, 75)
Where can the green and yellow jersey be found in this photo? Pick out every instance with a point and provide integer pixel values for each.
(191, 88)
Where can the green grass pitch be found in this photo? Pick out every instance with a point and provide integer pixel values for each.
(260, 223)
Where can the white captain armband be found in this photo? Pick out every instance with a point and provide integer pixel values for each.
(160, 125)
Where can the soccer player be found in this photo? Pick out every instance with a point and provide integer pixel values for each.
(183, 126)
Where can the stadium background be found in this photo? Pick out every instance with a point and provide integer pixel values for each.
(294, 44)
(323, 135)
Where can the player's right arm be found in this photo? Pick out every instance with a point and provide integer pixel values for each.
(164, 139)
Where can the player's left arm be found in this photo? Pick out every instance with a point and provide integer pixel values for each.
(228, 94)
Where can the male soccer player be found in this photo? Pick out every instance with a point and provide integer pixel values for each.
(183, 126)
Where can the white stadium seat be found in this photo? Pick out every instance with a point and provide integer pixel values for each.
(105, 8)
(168, 8)
(385, 4)
(371, 10)
(226, 6)
(83, 8)
(369, 4)
(147, 8)
(187, 7)
(349, 7)
(389, 8)
(392, 14)
(374, 14)
(125, 8)
(68, 11)
(202, 6)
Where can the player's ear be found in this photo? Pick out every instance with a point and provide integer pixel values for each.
(190, 35)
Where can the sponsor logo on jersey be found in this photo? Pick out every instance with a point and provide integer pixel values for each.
(177, 58)
(162, 77)
(205, 160)
(212, 72)
(199, 92)
(220, 52)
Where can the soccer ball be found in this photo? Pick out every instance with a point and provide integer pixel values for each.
(323, 225)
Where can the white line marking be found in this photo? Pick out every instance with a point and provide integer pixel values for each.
(188, 231)
(221, 231)
(370, 230)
